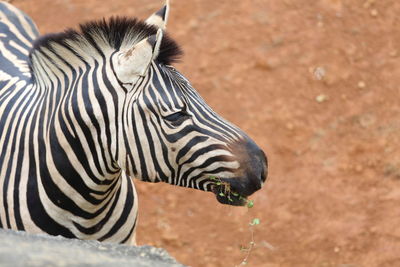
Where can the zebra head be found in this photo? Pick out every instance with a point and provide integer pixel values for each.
(170, 133)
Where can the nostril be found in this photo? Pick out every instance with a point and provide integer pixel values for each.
(264, 169)
(264, 175)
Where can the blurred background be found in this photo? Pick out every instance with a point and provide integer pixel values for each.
(317, 85)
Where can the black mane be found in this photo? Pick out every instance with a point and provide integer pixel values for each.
(115, 31)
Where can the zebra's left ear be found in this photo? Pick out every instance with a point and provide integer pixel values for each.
(159, 19)
(133, 63)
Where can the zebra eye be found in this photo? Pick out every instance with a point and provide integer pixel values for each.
(177, 117)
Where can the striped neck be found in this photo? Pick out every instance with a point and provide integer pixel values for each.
(79, 111)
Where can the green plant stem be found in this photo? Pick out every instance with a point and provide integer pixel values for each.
(252, 244)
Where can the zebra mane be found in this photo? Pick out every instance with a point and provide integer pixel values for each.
(116, 33)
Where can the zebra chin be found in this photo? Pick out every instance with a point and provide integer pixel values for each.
(228, 196)
(234, 191)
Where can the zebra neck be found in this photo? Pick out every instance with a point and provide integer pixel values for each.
(76, 111)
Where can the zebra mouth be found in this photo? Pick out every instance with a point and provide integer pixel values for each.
(225, 194)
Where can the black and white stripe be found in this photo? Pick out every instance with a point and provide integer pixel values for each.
(74, 131)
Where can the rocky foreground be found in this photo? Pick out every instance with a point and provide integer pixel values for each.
(22, 249)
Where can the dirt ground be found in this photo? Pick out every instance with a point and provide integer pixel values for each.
(317, 85)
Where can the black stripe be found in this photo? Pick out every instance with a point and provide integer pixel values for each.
(165, 151)
(143, 163)
(11, 140)
(35, 206)
(128, 236)
(84, 91)
(20, 159)
(185, 149)
(129, 203)
(97, 227)
(206, 163)
(115, 102)
(103, 104)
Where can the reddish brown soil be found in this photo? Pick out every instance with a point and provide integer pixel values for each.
(317, 86)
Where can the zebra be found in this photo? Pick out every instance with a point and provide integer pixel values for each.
(84, 111)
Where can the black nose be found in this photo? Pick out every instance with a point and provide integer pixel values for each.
(258, 162)
(253, 169)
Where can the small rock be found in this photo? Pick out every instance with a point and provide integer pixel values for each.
(336, 249)
(171, 239)
(321, 98)
(193, 24)
(319, 73)
(268, 64)
(361, 84)
(289, 126)
(393, 53)
(374, 12)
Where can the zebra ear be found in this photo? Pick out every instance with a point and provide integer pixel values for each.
(133, 63)
(159, 19)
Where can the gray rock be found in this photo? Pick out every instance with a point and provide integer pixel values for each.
(23, 249)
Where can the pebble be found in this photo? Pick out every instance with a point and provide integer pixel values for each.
(393, 53)
(171, 239)
(361, 84)
(321, 98)
(268, 64)
(289, 126)
(319, 73)
(374, 12)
